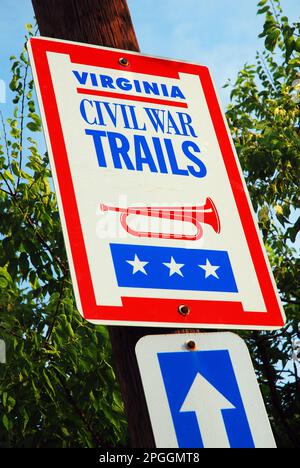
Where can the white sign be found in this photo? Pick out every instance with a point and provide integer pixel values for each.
(154, 208)
(201, 391)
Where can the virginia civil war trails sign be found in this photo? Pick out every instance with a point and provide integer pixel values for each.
(157, 221)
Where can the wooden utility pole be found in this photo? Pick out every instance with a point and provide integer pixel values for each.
(101, 22)
(106, 23)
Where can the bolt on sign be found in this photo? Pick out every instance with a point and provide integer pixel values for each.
(156, 216)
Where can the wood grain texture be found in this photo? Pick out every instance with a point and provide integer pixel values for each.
(100, 22)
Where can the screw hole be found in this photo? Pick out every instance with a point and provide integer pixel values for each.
(184, 310)
(191, 345)
(124, 62)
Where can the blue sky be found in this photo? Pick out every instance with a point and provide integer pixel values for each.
(221, 34)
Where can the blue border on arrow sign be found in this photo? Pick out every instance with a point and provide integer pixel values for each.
(179, 372)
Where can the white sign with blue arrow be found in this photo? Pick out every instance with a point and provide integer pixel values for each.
(202, 392)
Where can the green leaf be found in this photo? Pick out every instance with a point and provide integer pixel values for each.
(3, 283)
(5, 422)
(15, 168)
(25, 419)
(65, 432)
(272, 39)
(5, 278)
(11, 402)
(4, 399)
(8, 176)
(49, 384)
(263, 10)
(13, 85)
(34, 127)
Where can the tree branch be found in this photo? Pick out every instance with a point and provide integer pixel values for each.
(5, 191)
(51, 328)
(5, 139)
(98, 442)
(22, 123)
(10, 191)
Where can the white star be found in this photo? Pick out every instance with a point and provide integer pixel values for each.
(209, 269)
(137, 265)
(174, 267)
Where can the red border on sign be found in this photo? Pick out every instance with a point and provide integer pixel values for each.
(146, 310)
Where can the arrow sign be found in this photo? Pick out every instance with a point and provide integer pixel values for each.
(207, 397)
(208, 411)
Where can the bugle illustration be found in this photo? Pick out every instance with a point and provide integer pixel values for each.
(196, 215)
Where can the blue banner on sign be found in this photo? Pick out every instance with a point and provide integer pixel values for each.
(152, 267)
(205, 399)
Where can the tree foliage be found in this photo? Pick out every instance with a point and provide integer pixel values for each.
(58, 388)
(264, 117)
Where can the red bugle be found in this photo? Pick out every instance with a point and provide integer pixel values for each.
(196, 215)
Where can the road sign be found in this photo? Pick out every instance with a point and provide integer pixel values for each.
(206, 396)
(154, 209)
(2, 352)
